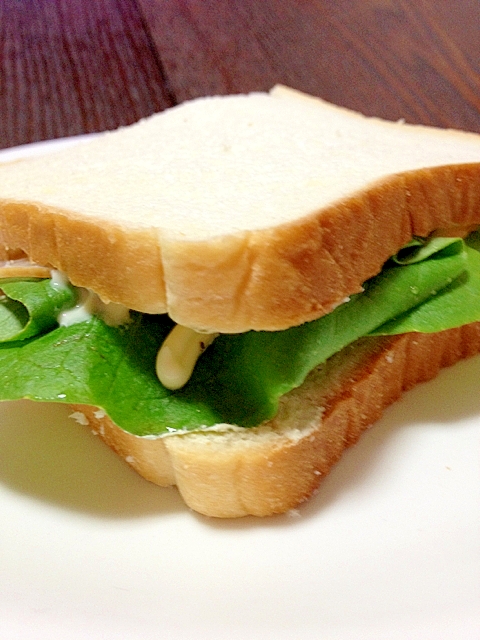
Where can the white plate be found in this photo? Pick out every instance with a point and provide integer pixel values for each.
(389, 548)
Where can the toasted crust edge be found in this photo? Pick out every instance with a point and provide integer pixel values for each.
(273, 468)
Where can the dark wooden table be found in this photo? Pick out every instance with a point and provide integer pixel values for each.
(74, 66)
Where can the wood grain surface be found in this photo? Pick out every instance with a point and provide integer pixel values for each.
(70, 66)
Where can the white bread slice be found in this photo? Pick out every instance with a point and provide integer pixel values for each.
(239, 212)
(274, 467)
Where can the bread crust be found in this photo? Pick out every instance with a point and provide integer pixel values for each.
(266, 279)
(293, 273)
(117, 263)
(274, 467)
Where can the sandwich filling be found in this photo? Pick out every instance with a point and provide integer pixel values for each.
(108, 357)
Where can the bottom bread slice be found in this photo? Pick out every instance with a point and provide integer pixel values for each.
(233, 472)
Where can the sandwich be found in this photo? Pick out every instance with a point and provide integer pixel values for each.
(231, 291)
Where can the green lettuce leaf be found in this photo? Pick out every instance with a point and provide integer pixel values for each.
(453, 306)
(30, 307)
(419, 249)
(247, 374)
(238, 380)
(109, 367)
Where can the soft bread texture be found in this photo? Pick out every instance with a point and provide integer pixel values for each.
(274, 467)
(239, 212)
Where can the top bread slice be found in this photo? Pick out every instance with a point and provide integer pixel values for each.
(232, 213)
